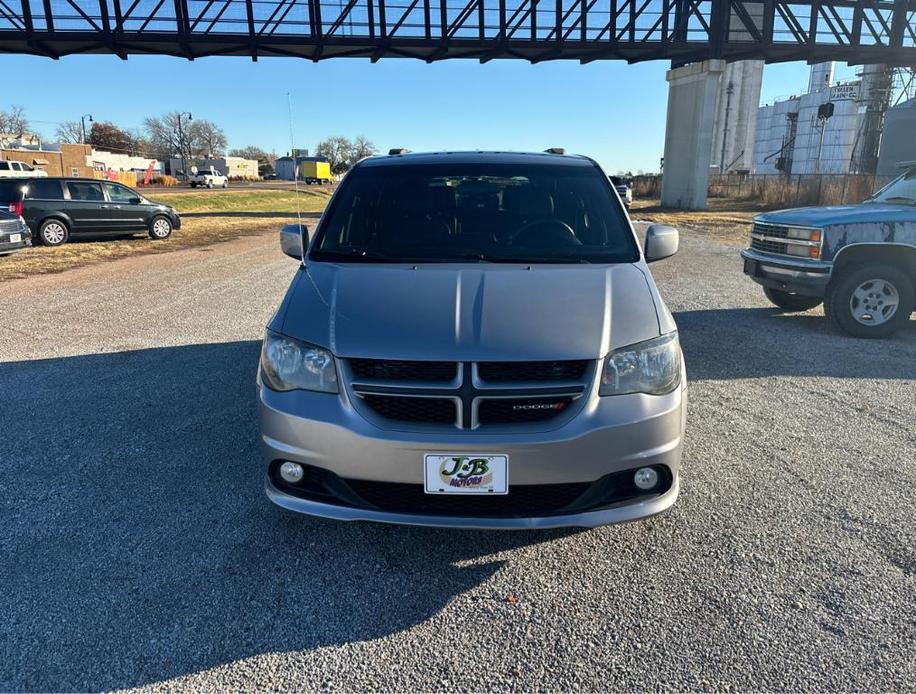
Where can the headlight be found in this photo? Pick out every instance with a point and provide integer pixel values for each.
(803, 234)
(652, 367)
(287, 364)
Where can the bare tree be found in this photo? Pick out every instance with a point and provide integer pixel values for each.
(207, 139)
(70, 131)
(249, 152)
(338, 151)
(13, 121)
(362, 147)
(169, 135)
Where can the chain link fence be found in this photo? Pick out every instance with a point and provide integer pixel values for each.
(779, 191)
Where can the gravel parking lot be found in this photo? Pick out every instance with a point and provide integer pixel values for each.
(138, 549)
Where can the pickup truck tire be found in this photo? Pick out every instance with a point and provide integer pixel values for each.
(160, 228)
(870, 301)
(53, 232)
(193, 184)
(791, 302)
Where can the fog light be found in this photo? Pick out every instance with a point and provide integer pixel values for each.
(292, 472)
(645, 478)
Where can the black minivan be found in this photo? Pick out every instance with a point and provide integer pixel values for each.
(57, 208)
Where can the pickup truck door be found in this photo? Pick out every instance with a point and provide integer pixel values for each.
(125, 213)
(87, 207)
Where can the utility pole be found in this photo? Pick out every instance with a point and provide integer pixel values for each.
(83, 125)
(729, 90)
(181, 147)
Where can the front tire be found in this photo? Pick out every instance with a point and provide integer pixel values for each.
(160, 228)
(791, 302)
(871, 301)
(53, 232)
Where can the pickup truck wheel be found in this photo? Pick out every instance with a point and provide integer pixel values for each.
(209, 184)
(871, 301)
(160, 228)
(791, 302)
(225, 184)
(53, 232)
(193, 184)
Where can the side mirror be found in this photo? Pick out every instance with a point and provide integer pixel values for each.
(136, 201)
(294, 239)
(661, 242)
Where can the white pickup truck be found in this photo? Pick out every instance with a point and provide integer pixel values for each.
(207, 178)
(19, 169)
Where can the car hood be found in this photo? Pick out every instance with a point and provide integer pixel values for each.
(841, 214)
(470, 312)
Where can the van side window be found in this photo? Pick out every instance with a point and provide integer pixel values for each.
(80, 190)
(118, 193)
(44, 190)
(4, 166)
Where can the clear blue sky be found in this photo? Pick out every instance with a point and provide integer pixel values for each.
(609, 110)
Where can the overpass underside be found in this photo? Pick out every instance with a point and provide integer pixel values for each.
(680, 31)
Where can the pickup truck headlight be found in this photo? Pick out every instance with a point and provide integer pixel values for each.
(652, 367)
(287, 364)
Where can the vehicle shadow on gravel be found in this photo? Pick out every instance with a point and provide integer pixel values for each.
(139, 545)
(733, 343)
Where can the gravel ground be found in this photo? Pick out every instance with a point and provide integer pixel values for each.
(140, 551)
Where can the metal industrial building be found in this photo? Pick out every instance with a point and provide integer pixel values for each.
(736, 116)
(833, 128)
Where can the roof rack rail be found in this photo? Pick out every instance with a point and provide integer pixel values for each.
(555, 150)
(398, 150)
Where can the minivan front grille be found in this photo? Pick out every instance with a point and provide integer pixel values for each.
(412, 409)
(395, 370)
(467, 395)
(519, 371)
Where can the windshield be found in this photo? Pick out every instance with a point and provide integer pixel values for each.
(900, 190)
(475, 213)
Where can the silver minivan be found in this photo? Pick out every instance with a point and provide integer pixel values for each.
(474, 340)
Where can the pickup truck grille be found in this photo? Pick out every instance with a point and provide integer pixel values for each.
(768, 246)
(10, 226)
(467, 395)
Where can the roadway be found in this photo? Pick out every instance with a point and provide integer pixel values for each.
(140, 551)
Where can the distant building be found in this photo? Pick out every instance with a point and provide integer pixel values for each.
(113, 161)
(233, 167)
(736, 116)
(58, 159)
(830, 129)
(898, 143)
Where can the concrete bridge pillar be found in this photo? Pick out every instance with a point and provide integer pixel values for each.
(692, 91)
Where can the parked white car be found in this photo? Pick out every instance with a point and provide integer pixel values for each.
(207, 178)
(19, 169)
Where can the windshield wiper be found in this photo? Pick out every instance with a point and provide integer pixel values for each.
(896, 198)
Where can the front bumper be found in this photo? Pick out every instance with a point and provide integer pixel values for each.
(807, 277)
(25, 240)
(610, 434)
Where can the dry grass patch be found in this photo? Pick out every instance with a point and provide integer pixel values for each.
(728, 220)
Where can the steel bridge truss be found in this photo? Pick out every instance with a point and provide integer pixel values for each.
(682, 31)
